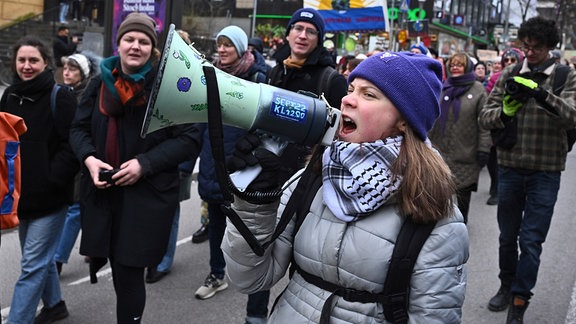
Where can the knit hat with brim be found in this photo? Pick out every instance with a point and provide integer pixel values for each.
(141, 22)
(412, 82)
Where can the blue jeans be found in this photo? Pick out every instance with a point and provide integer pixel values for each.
(526, 202)
(69, 234)
(168, 259)
(64, 7)
(39, 277)
(258, 302)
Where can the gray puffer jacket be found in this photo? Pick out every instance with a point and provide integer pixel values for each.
(352, 255)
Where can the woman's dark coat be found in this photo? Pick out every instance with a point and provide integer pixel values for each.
(130, 224)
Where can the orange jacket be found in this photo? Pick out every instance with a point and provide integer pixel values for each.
(11, 127)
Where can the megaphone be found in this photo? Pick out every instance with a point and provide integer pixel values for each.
(179, 96)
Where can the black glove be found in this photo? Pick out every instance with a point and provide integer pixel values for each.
(482, 158)
(243, 155)
(269, 176)
(248, 152)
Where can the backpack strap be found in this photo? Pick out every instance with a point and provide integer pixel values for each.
(394, 297)
(410, 240)
(53, 96)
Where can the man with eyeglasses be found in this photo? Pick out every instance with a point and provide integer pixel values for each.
(304, 64)
(528, 168)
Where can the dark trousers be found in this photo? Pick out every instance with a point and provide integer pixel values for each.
(130, 292)
(493, 171)
(526, 202)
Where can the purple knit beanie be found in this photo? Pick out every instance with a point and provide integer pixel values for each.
(411, 81)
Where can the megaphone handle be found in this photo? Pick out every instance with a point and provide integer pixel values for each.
(244, 177)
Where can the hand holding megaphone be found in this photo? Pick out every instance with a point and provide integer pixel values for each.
(255, 162)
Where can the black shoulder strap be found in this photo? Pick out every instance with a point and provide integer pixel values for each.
(560, 78)
(410, 240)
(324, 85)
(53, 96)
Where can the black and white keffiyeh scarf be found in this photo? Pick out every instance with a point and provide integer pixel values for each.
(356, 177)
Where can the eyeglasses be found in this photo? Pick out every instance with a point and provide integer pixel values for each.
(453, 65)
(535, 49)
(509, 60)
(310, 32)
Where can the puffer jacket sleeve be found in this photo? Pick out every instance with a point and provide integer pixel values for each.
(438, 284)
(248, 272)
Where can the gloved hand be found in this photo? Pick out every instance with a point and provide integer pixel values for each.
(510, 106)
(248, 152)
(522, 89)
(482, 158)
(243, 155)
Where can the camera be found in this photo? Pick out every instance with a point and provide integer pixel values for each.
(511, 87)
(106, 175)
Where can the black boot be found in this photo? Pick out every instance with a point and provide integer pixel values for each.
(516, 310)
(95, 265)
(501, 300)
(201, 234)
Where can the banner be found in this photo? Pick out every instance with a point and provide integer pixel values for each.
(352, 15)
(356, 19)
(153, 8)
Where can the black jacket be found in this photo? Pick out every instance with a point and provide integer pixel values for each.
(130, 224)
(47, 162)
(63, 46)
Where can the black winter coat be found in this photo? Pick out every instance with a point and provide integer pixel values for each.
(130, 224)
(48, 164)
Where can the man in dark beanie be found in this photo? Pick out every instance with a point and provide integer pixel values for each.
(304, 64)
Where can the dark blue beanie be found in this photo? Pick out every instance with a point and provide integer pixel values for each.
(411, 81)
(311, 16)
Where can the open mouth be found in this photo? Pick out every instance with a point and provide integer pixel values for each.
(348, 125)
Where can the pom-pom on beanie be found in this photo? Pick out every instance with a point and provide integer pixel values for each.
(137, 21)
(237, 36)
(311, 16)
(411, 81)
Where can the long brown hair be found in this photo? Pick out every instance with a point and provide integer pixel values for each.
(427, 189)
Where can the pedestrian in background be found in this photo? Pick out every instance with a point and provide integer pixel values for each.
(382, 147)
(78, 69)
(510, 57)
(235, 59)
(48, 167)
(127, 217)
(529, 168)
(464, 145)
(63, 46)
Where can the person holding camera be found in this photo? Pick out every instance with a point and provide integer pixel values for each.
(129, 185)
(464, 145)
(531, 156)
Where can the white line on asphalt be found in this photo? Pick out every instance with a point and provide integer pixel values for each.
(107, 271)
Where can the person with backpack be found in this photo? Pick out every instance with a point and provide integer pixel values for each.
(48, 166)
(533, 118)
(380, 174)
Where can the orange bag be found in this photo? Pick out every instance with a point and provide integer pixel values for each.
(11, 127)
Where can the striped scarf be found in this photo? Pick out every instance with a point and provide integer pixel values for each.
(356, 177)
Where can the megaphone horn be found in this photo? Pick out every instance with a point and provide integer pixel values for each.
(179, 96)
